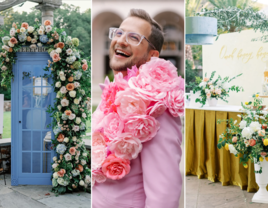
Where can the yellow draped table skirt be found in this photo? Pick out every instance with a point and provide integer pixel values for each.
(205, 160)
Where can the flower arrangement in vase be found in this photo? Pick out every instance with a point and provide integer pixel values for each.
(213, 89)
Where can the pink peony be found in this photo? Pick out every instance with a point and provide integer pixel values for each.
(115, 168)
(143, 127)
(156, 78)
(175, 102)
(108, 97)
(205, 79)
(156, 110)
(98, 176)
(84, 67)
(126, 146)
(133, 72)
(218, 91)
(181, 86)
(98, 139)
(97, 118)
(113, 125)
(56, 57)
(129, 102)
(98, 155)
(120, 81)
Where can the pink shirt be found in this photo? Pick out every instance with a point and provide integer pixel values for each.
(154, 180)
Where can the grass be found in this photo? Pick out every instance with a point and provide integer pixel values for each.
(7, 126)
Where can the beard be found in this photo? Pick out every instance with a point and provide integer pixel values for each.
(127, 65)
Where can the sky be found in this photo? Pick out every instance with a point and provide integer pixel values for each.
(83, 4)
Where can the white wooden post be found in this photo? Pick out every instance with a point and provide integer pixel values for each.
(1, 112)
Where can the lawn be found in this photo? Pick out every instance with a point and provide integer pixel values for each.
(7, 126)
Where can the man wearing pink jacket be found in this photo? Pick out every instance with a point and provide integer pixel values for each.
(154, 180)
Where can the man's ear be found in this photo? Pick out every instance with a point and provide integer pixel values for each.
(152, 53)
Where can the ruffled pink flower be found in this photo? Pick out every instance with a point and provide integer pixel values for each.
(133, 72)
(98, 155)
(143, 127)
(61, 172)
(98, 139)
(112, 125)
(108, 97)
(205, 79)
(96, 120)
(156, 78)
(115, 168)
(56, 57)
(129, 102)
(175, 102)
(218, 91)
(126, 146)
(156, 110)
(84, 67)
(181, 86)
(120, 81)
(98, 176)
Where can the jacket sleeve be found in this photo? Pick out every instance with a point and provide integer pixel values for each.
(160, 160)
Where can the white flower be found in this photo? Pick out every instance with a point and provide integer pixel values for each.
(84, 61)
(10, 44)
(207, 91)
(59, 107)
(39, 44)
(5, 47)
(58, 50)
(76, 84)
(76, 128)
(33, 46)
(72, 116)
(55, 165)
(78, 120)
(33, 40)
(87, 179)
(255, 126)
(247, 132)
(55, 175)
(61, 73)
(63, 90)
(74, 138)
(22, 29)
(12, 32)
(55, 158)
(64, 102)
(48, 28)
(77, 157)
(85, 154)
(42, 27)
(66, 140)
(30, 29)
(41, 32)
(68, 157)
(262, 117)
(72, 93)
(84, 115)
(264, 112)
(58, 84)
(58, 95)
(232, 149)
(36, 20)
(62, 78)
(83, 162)
(226, 86)
(81, 183)
(76, 101)
(4, 68)
(242, 124)
(7, 59)
(69, 51)
(235, 121)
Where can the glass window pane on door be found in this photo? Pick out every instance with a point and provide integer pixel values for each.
(46, 162)
(26, 141)
(26, 162)
(36, 162)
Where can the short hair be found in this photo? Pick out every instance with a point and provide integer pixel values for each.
(157, 35)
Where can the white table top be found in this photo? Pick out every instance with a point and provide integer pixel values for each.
(4, 142)
(228, 108)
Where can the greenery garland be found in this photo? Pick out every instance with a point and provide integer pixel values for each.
(71, 82)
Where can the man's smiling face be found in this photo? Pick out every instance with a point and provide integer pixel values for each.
(122, 54)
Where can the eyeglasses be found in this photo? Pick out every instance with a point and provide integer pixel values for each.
(131, 37)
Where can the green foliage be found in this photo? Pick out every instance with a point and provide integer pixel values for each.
(191, 75)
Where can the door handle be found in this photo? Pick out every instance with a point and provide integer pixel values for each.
(19, 121)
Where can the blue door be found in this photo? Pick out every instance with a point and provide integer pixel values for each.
(31, 136)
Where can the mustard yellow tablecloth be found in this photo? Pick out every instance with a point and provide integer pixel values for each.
(205, 160)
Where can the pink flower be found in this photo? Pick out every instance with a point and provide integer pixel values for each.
(115, 168)
(108, 97)
(208, 95)
(56, 57)
(210, 83)
(234, 139)
(156, 78)
(143, 127)
(181, 86)
(218, 91)
(126, 146)
(48, 28)
(112, 125)
(129, 102)
(263, 153)
(98, 139)
(97, 118)
(61, 172)
(13, 40)
(98, 155)
(72, 150)
(98, 176)
(84, 67)
(156, 110)
(175, 102)
(133, 72)
(120, 81)
(205, 79)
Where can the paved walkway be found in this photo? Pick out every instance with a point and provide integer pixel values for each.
(202, 193)
(39, 197)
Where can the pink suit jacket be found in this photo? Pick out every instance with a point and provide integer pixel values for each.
(154, 180)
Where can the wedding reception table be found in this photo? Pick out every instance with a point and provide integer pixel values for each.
(204, 159)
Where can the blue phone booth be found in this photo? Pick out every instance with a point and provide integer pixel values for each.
(32, 154)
